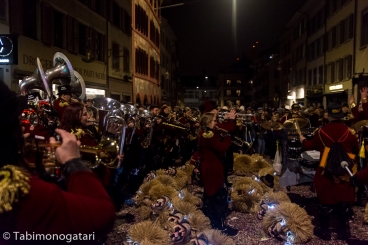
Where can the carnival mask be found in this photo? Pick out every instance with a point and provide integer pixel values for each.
(279, 229)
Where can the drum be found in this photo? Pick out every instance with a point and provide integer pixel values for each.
(310, 159)
(294, 149)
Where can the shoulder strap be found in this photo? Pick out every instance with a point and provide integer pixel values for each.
(342, 138)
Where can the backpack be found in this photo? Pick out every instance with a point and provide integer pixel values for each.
(336, 154)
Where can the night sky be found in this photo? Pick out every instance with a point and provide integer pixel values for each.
(211, 35)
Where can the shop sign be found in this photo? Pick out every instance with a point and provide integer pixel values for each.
(8, 50)
(335, 87)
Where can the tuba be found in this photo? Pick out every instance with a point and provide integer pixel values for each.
(130, 112)
(34, 82)
(109, 113)
(62, 72)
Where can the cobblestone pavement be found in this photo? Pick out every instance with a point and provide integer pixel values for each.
(250, 228)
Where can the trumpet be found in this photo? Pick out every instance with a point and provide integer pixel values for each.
(105, 152)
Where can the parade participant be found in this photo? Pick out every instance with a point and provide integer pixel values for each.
(31, 118)
(65, 98)
(75, 121)
(212, 147)
(286, 116)
(188, 142)
(333, 192)
(314, 117)
(273, 136)
(29, 204)
(295, 111)
(260, 132)
(360, 112)
(91, 108)
(348, 118)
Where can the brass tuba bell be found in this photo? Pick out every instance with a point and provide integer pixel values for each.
(35, 81)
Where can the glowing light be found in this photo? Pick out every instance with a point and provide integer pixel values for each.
(254, 46)
(251, 191)
(256, 179)
(197, 87)
(234, 24)
(206, 77)
(181, 195)
(283, 222)
(271, 206)
(274, 173)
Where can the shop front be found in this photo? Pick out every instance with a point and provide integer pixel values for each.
(93, 74)
(296, 95)
(338, 93)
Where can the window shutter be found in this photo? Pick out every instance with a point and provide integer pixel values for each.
(69, 35)
(76, 36)
(16, 16)
(47, 18)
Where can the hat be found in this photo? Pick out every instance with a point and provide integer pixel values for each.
(208, 106)
(259, 108)
(295, 106)
(64, 89)
(33, 96)
(345, 105)
(11, 106)
(242, 108)
(268, 180)
(334, 110)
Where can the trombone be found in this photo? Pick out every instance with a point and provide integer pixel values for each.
(234, 139)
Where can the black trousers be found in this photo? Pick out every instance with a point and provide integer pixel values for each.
(215, 207)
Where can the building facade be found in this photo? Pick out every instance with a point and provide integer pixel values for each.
(95, 36)
(234, 84)
(169, 64)
(197, 89)
(146, 51)
(340, 49)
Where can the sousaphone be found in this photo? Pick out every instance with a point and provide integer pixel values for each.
(62, 72)
(78, 86)
(36, 81)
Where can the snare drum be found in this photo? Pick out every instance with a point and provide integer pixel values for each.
(310, 159)
(294, 149)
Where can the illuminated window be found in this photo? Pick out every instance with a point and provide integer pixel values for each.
(238, 81)
(228, 82)
(238, 102)
(238, 92)
(228, 92)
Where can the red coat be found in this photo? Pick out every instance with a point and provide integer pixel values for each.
(329, 192)
(211, 152)
(229, 125)
(85, 208)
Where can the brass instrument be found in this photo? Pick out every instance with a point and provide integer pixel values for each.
(235, 140)
(109, 113)
(178, 125)
(105, 152)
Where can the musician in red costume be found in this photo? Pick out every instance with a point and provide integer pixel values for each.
(40, 207)
(212, 147)
(75, 121)
(65, 98)
(333, 192)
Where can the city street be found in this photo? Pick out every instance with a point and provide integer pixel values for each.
(250, 228)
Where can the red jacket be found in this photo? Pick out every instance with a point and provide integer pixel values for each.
(85, 208)
(329, 192)
(211, 153)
